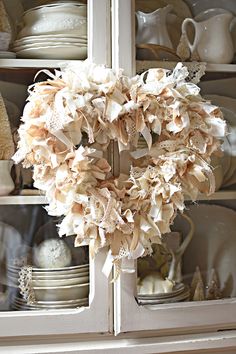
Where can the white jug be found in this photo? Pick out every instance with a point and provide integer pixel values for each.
(6, 182)
(212, 38)
(152, 27)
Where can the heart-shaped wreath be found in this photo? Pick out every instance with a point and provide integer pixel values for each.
(68, 124)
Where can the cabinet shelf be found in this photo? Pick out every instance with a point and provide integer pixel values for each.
(142, 65)
(33, 63)
(23, 199)
(220, 195)
(40, 199)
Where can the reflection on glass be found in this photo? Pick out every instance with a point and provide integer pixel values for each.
(195, 262)
(38, 270)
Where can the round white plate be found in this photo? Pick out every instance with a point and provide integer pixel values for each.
(52, 44)
(179, 288)
(49, 40)
(53, 36)
(51, 303)
(176, 298)
(58, 52)
(53, 270)
(61, 293)
(52, 282)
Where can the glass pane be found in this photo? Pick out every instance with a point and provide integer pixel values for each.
(192, 267)
(39, 270)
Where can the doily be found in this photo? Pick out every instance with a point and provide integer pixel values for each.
(25, 284)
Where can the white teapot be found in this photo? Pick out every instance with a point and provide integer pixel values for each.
(212, 38)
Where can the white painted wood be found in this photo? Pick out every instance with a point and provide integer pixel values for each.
(94, 319)
(33, 63)
(211, 343)
(217, 314)
(19, 199)
(99, 36)
(123, 36)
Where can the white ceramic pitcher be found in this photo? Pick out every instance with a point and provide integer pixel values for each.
(212, 38)
(152, 27)
(6, 182)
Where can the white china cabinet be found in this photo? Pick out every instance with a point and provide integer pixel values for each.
(198, 316)
(113, 321)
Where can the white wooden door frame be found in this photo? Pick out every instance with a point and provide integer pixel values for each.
(128, 315)
(97, 318)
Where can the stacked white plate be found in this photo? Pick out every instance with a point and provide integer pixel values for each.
(54, 288)
(53, 31)
(179, 293)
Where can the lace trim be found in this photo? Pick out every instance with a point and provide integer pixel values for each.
(25, 285)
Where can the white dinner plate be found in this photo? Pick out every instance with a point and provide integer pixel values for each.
(49, 40)
(52, 44)
(57, 52)
(61, 271)
(177, 289)
(184, 295)
(51, 303)
(56, 35)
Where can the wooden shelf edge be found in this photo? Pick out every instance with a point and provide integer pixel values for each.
(33, 63)
(142, 65)
(22, 199)
(40, 199)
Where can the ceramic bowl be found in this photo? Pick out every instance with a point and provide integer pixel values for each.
(63, 19)
(61, 293)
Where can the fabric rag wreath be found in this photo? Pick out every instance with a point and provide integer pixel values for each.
(69, 122)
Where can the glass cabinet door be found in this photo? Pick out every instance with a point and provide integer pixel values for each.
(199, 250)
(47, 286)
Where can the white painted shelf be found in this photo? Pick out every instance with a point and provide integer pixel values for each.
(220, 195)
(142, 65)
(33, 63)
(40, 199)
(23, 199)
